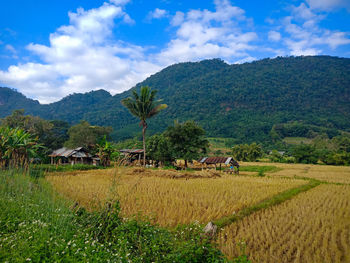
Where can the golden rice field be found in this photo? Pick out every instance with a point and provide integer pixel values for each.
(328, 173)
(168, 201)
(312, 227)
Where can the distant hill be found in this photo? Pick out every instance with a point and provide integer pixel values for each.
(240, 101)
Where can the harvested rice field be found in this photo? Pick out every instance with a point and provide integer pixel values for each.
(313, 226)
(169, 198)
(327, 173)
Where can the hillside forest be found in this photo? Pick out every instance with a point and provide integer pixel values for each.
(292, 109)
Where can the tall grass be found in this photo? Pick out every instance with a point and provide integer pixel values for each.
(36, 225)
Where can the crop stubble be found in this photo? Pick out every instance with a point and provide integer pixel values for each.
(167, 201)
(312, 227)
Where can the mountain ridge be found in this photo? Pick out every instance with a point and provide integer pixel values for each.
(240, 101)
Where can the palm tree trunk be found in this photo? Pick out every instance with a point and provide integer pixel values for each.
(144, 127)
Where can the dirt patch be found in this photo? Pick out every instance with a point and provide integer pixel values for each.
(173, 174)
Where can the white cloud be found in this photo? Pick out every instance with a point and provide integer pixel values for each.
(157, 14)
(303, 34)
(328, 5)
(274, 36)
(178, 18)
(245, 60)
(82, 56)
(206, 34)
(10, 48)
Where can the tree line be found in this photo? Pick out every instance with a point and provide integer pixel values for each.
(184, 140)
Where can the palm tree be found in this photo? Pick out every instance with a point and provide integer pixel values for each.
(143, 106)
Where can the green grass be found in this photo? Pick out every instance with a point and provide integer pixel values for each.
(39, 170)
(297, 140)
(36, 225)
(260, 169)
(217, 142)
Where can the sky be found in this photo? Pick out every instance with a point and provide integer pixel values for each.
(50, 49)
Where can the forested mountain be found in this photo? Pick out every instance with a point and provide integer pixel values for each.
(239, 101)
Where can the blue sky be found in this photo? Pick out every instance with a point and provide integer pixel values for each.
(50, 49)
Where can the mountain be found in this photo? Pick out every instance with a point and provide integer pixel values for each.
(242, 101)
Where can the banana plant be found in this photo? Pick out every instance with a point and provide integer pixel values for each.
(17, 147)
(104, 151)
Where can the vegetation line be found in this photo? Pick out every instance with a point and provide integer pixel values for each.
(320, 181)
(275, 200)
(309, 178)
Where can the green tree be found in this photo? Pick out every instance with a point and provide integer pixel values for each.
(305, 153)
(187, 140)
(34, 125)
(159, 149)
(85, 135)
(52, 134)
(245, 152)
(133, 143)
(275, 156)
(143, 106)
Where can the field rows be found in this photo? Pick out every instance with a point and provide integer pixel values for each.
(312, 227)
(170, 202)
(327, 173)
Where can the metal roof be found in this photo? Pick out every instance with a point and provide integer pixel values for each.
(214, 160)
(77, 152)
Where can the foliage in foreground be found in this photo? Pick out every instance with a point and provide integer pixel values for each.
(36, 225)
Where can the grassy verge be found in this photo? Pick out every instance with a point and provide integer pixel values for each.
(36, 225)
(275, 200)
(39, 170)
(260, 169)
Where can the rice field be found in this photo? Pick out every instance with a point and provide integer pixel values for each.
(312, 227)
(166, 200)
(327, 173)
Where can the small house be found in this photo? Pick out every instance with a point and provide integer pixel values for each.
(220, 161)
(73, 156)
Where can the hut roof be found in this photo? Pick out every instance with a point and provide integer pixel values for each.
(79, 152)
(215, 160)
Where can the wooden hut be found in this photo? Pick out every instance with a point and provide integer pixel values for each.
(73, 156)
(227, 161)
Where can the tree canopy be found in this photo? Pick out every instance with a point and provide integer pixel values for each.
(187, 140)
(86, 135)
